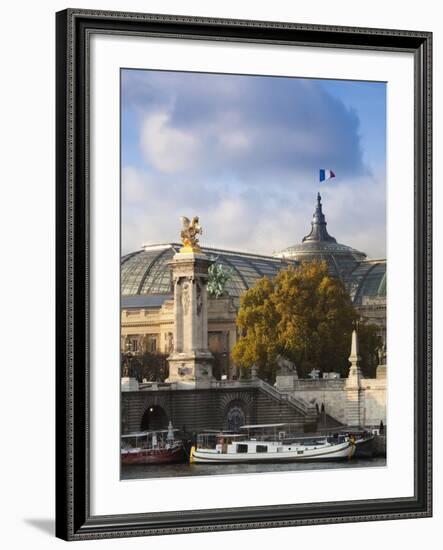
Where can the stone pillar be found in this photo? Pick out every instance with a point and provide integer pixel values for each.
(353, 389)
(232, 338)
(190, 363)
(128, 383)
(286, 374)
(381, 368)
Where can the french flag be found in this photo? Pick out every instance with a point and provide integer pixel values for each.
(326, 174)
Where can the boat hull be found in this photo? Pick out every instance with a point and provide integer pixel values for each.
(153, 456)
(334, 452)
(365, 447)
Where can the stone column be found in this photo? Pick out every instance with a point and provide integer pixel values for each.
(232, 339)
(128, 383)
(254, 372)
(190, 363)
(353, 387)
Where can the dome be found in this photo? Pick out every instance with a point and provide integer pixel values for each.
(319, 245)
(146, 274)
(147, 271)
(367, 284)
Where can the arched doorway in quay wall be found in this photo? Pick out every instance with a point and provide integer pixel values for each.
(235, 416)
(154, 418)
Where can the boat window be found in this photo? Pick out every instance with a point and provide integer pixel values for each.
(242, 448)
(299, 452)
(206, 441)
(261, 449)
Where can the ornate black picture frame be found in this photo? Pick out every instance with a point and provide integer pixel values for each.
(74, 29)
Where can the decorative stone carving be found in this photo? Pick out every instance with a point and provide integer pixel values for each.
(186, 299)
(286, 367)
(183, 370)
(199, 297)
(286, 374)
(170, 342)
(382, 355)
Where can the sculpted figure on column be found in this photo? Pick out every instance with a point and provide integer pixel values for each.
(190, 361)
(189, 232)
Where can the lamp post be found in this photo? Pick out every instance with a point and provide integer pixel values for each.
(224, 364)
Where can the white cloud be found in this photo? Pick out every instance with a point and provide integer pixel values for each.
(356, 213)
(235, 140)
(166, 148)
(244, 154)
(244, 125)
(262, 222)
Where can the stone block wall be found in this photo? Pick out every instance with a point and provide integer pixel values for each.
(328, 392)
(374, 401)
(368, 403)
(203, 409)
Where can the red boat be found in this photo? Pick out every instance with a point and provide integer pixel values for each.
(151, 447)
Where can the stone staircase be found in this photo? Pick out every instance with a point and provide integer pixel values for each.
(274, 406)
(327, 421)
(298, 405)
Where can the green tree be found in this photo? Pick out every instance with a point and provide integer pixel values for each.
(303, 314)
(369, 342)
(257, 322)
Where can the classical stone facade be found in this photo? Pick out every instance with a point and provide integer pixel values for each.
(166, 310)
(148, 290)
(151, 329)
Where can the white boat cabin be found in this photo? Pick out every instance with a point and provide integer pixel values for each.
(148, 439)
(263, 439)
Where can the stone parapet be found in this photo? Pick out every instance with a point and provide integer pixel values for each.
(319, 384)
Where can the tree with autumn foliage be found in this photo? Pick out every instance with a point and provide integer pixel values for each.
(304, 315)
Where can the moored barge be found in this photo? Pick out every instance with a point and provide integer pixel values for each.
(151, 447)
(225, 447)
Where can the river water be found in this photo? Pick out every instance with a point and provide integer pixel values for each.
(142, 471)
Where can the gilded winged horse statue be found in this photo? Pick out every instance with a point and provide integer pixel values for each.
(188, 234)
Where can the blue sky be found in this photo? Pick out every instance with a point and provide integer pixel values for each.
(243, 153)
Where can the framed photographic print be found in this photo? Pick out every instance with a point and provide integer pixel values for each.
(243, 274)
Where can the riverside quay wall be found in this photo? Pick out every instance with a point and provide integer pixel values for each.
(351, 402)
(221, 407)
